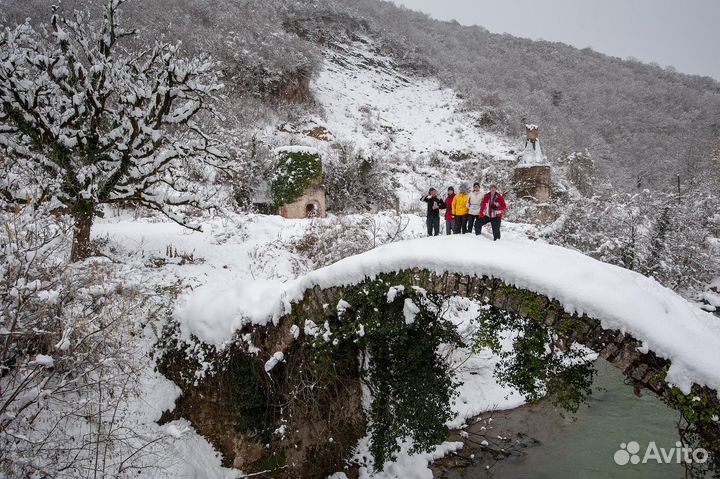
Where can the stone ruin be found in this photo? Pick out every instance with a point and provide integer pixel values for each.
(532, 132)
(310, 205)
(296, 189)
(533, 176)
(533, 182)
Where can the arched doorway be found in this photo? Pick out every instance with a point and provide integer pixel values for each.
(312, 209)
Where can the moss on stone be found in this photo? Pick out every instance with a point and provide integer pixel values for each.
(568, 325)
(293, 173)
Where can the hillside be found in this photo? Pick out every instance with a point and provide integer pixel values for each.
(420, 131)
(171, 350)
(397, 102)
(642, 124)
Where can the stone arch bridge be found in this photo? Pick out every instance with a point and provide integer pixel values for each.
(621, 349)
(658, 339)
(642, 328)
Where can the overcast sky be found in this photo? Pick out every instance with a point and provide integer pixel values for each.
(681, 33)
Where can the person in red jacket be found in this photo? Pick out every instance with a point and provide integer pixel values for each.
(449, 220)
(491, 208)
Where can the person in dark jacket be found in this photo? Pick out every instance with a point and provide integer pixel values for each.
(449, 220)
(434, 205)
(493, 204)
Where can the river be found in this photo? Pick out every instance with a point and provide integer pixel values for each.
(545, 445)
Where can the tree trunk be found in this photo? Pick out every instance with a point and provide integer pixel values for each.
(83, 218)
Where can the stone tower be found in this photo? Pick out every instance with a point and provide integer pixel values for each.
(533, 175)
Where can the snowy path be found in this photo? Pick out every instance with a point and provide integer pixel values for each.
(621, 299)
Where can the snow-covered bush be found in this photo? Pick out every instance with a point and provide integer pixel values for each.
(355, 183)
(667, 236)
(328, 241)
(68, 368)
(274, 261)
(248, 168)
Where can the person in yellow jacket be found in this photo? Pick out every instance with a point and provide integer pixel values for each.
(460, 210)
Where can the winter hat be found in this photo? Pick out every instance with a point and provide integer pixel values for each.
(464, 186)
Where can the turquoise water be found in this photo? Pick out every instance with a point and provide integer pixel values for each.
(584, 449)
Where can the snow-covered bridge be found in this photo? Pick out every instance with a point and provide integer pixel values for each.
(632, 321)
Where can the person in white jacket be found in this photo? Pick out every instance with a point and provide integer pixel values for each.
(473, 204)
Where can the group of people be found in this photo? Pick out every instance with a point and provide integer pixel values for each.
(465, 211)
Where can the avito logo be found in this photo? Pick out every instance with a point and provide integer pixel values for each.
(630, 454)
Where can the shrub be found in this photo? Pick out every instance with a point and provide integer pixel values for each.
(359, 184)
(69, 367)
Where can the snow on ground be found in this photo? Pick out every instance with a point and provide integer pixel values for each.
(228, 249)
(192, 456)
(363, 92)
(479, 391)
(242, 272)
(405, 120)
(405, 465)
(621, 299)
(225, 258)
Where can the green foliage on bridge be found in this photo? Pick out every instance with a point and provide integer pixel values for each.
(399, 338)
(540, 364)
(698, 426)
(411, 383)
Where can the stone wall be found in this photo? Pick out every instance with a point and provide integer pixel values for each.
(279, 420)
(313, 198)
(533, 182)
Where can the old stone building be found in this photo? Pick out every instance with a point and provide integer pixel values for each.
(311, 204)
(296, 187)
(532, 177)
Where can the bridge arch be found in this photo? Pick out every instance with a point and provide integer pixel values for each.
(655, 337)
(621, 349)
(627, 318)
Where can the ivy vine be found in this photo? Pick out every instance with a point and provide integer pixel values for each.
(411, 383)
(540, 363)
(293, 173)
(699, 426)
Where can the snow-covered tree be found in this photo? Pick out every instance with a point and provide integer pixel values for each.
(90, 121)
